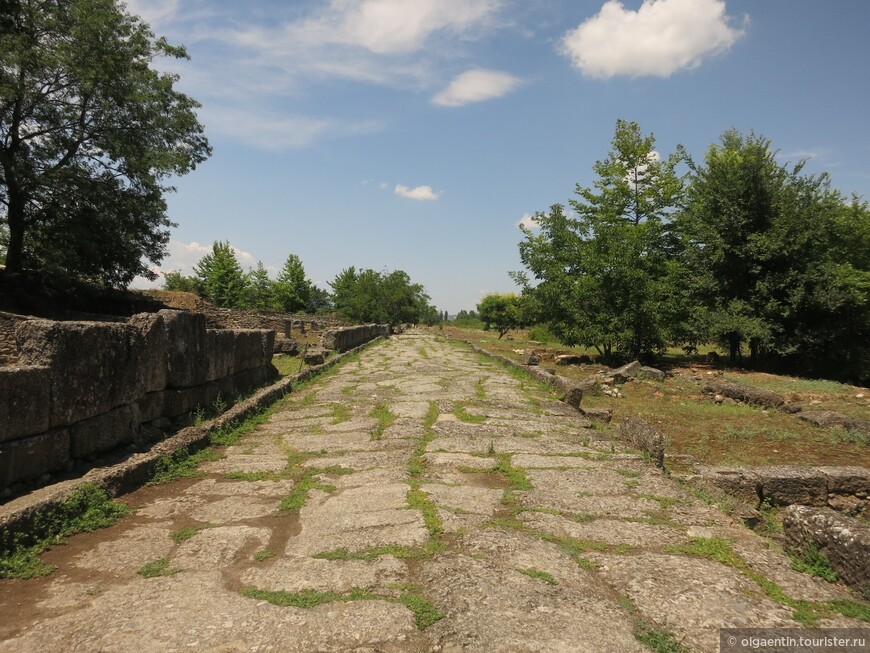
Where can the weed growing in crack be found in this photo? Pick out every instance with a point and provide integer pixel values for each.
(419, 500)
(808, 613)
(340, 414)
(815, 563)
(385, 418)
(425, 612)
(157, 568)
(480, 388)
(655, 638)
(181, 464)
(540, 575)
(429, 549)
(305, 478)
(183, 534)
(515, 476)
(85, 509)
(459, 409)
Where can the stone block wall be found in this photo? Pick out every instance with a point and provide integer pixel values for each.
(350, 337)
(8, 346)
(233, 318)
(846, 489)
(81, 389)
(844, 541)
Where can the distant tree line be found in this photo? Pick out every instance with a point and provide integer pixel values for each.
(771, 263)
(358, 296)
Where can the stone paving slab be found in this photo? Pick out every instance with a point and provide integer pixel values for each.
(526, 531)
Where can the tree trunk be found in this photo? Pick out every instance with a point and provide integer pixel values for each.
(734, 348)
(753, 352)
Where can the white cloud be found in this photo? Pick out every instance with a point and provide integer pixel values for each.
(475, 86)
(154, 12)
(367, 40)
(528, 221)
(273, 132)
(420, 193)
(390, 26)
(660, 38)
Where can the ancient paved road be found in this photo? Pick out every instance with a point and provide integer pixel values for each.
(434, 484)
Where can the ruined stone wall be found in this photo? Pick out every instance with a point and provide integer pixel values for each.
(231, 318)
(343, 339)
(8, 346)
(81, 389)
(845, 489)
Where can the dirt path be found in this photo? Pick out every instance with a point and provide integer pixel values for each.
(420, 498)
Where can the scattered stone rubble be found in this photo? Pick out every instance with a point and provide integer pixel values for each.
(749, 395)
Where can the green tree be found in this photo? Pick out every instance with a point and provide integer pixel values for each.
(401, 301)
(223, 281)
(778, 259)
(174, 280)
(292, 287)
(502, 312)
(603, 278)
(319, 301)
(89, 135)
(261, 289)
(381, 297)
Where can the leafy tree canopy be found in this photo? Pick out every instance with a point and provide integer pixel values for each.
(778, 259)
(502, 312)
(381, 297)
(174, 280)
(221, 277)
(89, 135)
(602, 271)
(292, 288)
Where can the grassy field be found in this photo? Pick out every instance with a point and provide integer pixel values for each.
(727, 434)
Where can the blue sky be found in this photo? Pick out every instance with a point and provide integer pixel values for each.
(416, 134)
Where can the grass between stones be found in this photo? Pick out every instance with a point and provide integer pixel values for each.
(306, 479)
(541, 575)
(573, 547)
(183, 463)
(815, 563)
(157, 568)
(480, 388)
(86, 509)
(808, 613)
(184, 534)
(419, 500)
(340, 414)
(655, 638)
(425, 613)
(385, 417)
(429, 549)
(417, 464)
(459, 409)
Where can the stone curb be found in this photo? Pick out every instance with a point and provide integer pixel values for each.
(131, 474)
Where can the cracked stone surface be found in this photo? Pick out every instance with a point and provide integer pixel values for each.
(431, 502)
